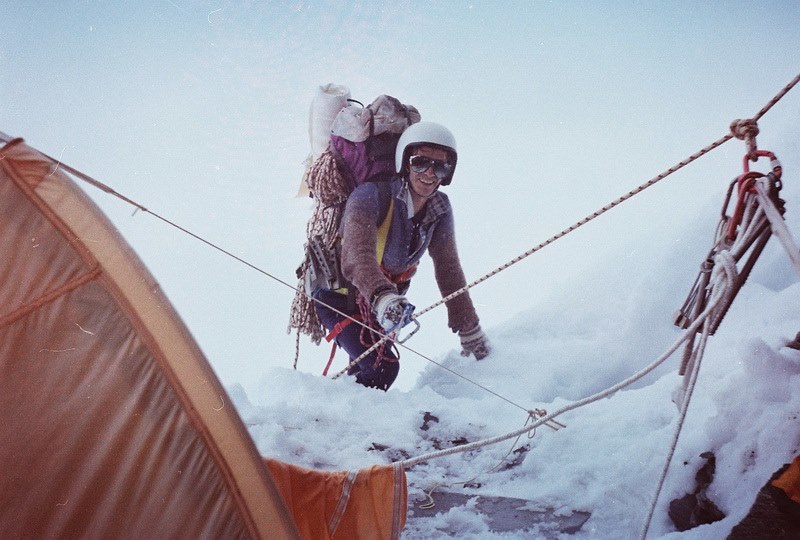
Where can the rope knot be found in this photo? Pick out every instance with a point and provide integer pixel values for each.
(725, 273)
(535, 414)
(746, 130)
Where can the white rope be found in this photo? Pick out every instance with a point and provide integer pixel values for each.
(779, 227)
(724, 281)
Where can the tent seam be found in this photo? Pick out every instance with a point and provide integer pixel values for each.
(344, 499)
(49, 297)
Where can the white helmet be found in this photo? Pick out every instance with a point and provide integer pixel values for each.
(425, 134)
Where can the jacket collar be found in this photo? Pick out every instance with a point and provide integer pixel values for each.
(435, 208)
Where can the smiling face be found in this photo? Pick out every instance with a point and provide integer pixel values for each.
(424, 184)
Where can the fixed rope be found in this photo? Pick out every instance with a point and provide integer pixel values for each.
(742, 129)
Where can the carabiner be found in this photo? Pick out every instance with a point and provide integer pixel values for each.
(405, 319)
(414, 331)
(754, 157)
(746, 184)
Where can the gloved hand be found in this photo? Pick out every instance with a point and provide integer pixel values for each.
(391, 309)
(474, 342)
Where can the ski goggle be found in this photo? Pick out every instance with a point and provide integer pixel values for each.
(420, 164)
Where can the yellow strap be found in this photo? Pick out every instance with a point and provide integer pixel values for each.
(383, 233)
(382, 236)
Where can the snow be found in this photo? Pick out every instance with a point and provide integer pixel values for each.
(199, 112)
(610, 456)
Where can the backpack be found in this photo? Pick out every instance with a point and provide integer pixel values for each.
(361, 145)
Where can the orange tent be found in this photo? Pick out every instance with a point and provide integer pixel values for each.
(113, 423)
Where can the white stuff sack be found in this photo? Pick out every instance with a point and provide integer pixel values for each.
(328, 101)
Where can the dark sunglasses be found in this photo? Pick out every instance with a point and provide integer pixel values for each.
(420, 164)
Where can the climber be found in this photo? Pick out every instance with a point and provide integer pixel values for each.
(420, 219)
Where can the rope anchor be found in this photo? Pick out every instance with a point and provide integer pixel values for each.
(743, 234)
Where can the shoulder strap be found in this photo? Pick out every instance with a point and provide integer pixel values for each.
(385, 207)
(383, 232)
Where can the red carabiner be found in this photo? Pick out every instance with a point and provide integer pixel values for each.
(746, 184)
(758, 153)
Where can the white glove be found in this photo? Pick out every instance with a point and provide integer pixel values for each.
(474, 342)
(392, 310)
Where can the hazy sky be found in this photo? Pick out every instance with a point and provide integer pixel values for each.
(199, 111)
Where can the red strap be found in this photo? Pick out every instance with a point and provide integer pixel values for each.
(405, 275)
(336, 330)
(330, 360)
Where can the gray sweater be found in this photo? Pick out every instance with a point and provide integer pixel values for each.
(408, 240)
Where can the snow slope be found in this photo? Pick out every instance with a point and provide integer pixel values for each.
(592, 331)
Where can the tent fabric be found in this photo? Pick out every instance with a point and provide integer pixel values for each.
(367, 504)
(789, 480)
(775, 513)
(113, 423)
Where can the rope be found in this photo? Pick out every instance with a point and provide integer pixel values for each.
(330, 189)
(681, 419)
(777, 98)
(431, 503)
(779, 227)
(583, 221)
(572, 406)
(738, 128)
(296, 350)
(725, 280)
